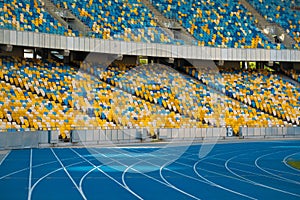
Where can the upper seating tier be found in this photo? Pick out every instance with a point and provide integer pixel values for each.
(282, 13)
(217, 23)
(128, 20)
(30, 15)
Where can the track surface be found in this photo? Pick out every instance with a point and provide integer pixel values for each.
(247, 170)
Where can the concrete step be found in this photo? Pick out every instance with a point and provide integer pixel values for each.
(66, 18)
(269, 29)
(171, 26)
(52, 10)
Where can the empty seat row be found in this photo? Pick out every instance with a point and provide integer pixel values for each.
(217, 23)
(260, 89)
(30, 15)
(167, 88)
(283, 13)
(60, 96)
(120, 20)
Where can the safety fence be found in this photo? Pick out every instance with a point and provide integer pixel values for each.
(35, 139)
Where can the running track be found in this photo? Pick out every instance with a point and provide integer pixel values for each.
(238, 170)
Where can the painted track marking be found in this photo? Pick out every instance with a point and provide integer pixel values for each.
(256, 183)
(272, 174)
(4, 157)
(66, 171)
(99, 169)
(30, 176)
(286, 164)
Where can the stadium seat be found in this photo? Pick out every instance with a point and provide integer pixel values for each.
(118, 20)
(292, 73)
(29, 15)
(217, 23)
(168, 89)
(276, 99)
(281, 12)
(42, 95)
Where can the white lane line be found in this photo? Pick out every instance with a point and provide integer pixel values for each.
(206, 181)
(282, 172)
(165, 180)
(99, 169)
(27, 168)
(272, 174)
(253, 182)
(217, 185)
(86, 174)
(64, 168)
(286, 164)
(52, 172)
(150, 177)
(240, 170)
(237, 169)
(30, 176)
(223, 175)
(213, 183)
(145, 161)
(83, 177)
(4, 158)
(248, 165)
(243, 164)
(131, 167)
(125, 171)
(184, 175)
(181, 174)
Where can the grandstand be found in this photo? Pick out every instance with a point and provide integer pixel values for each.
(129, 21)
(30, 16)
(217, 23)
(60, 89)
(149, 99)
(282, 13)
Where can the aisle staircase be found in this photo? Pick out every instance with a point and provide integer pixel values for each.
(66, 18)
(269, 29)
(171, 26)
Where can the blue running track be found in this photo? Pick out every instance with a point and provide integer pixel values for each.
(234, 170)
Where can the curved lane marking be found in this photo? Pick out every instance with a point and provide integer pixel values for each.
(66, 171)
(253, 182)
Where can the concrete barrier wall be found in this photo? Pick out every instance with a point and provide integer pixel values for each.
(85, 136)
(293, 131)
(43, 137)
(190, 133)
(14, 140)
(270, 132)
(91, 135)
(54, 137)
(257, 131)
(106, 136)
(77, 135)
(102, 135)
(17, 140)
(114, 135)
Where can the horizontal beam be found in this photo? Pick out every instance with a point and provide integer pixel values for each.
(52, 41)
